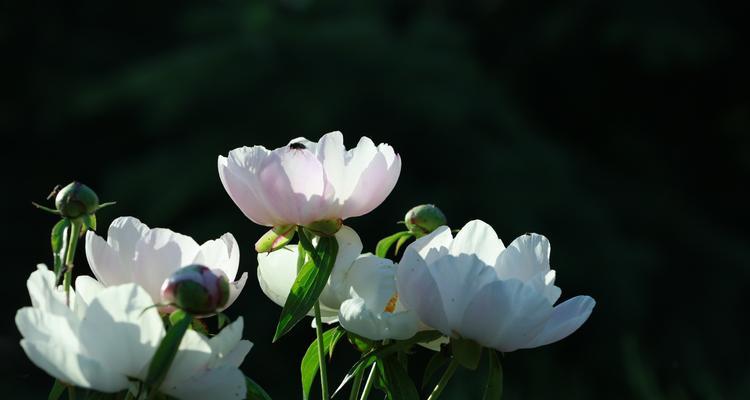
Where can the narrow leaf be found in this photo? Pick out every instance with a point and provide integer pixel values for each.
(385, 244)
(165, 353)
(58, 244)
(493, 390)
(438, 361)
(400, 243)
(396, 381)
(90, 221)
(381, 352)
(309, 365)
(57, 390)
(310, 282)
(254, 391)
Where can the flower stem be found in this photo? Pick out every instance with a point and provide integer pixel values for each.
(370, 381)
(321, 352)
(355, 386)
(444, 380)
(70, 252)
(71, 392)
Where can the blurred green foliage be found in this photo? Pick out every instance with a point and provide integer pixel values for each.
(618, 129)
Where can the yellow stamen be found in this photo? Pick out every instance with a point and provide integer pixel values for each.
(391, 306)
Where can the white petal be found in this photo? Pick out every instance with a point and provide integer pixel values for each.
(121, 329)
(238, 174)
(223, 383)
(225, 341)
(429, 247)
(45, 295)
(505, 315)
(337, 290)
(105, 262)
(524, 258)
(458, 279)
(356, 317)
(478, 238)
(158, 255)
(418, 291)
(373, 173)
(86, 289)
(566, 319)
(235, 288)
(293, 182)
(222, 253)
(123, 235)
(192, 358)
(277, 272)
(331, 152)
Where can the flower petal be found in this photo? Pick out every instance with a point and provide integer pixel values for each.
(566, 319)
(121, 329)
(160, 253)
(223, 383)
(222, 253)
(418, 291)
(373, 173)
(478, 238)
(44, 293)
(355, 316)
(277, 272)
(525, 257)
(105, 262)
(235, 288)
(238, 174)
(192, 358)
(505, 315)
(337, 290)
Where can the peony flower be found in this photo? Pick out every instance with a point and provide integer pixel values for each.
(109, 335)
(135, 253)
(471, 286)
(306, 182)
(360, 294)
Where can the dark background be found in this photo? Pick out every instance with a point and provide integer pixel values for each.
(618, 128)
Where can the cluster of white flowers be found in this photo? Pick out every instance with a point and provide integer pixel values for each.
(466, 287)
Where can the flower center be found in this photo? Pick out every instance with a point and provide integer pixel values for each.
(297, 146)
(391, 306)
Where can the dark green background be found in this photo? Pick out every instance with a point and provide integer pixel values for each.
(618, 128)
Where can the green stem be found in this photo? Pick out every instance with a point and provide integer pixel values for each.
(370, 382)
(71, 393)
(321, 352)
(444, 380)
(356, 384)
(70, 252)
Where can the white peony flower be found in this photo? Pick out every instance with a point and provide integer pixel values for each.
(360, 294)
(305, 182)
(107, 340)
(471, 286)
(135, 253)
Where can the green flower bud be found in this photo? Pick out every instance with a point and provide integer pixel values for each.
(276, 238)
(76, 200)
(423, 219)
(326, 227)
(197, 290)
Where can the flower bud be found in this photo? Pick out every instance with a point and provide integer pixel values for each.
(276, 238)
(326, 227)
(76, 200)
(423, 219)
(196, 290)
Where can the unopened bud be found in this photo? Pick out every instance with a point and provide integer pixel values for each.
(423, 219)
(76, 200)
(276, 238)
(196, 290)
(326, 227)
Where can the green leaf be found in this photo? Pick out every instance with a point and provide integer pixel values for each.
(400, 243)
(437, 361)
(58, 244)
(385, 244)
(310, 282)
(222, 319)
(381, 352)
(467, 352)
(254, 391)
(309, 365)
(396, 381)
(57, 390)
(90, 221)
(165, 353)
(493, 390)
(362, 344)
